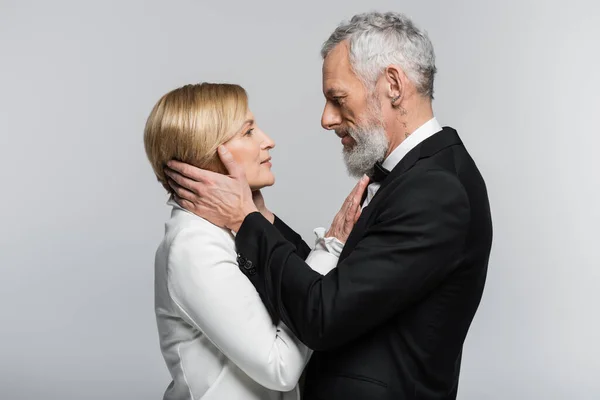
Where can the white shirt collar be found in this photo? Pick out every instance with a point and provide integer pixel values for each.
(426, 130)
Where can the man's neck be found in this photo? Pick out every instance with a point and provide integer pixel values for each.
(406, 125)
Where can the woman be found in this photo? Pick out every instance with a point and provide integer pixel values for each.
(216, 336)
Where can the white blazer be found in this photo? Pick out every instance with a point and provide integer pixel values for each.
(216, 336)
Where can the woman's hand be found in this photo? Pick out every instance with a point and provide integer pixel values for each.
(259, 202)
(349, 213)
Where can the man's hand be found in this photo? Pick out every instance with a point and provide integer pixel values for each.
(349, 213)
(259, 202)
(222, 200)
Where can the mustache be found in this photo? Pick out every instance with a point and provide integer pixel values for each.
(346, 131)
(354, 133)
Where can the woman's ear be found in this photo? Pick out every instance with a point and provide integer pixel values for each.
(214, 164)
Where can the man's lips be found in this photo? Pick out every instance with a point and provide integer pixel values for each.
(346, 140)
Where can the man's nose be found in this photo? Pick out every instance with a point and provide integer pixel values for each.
(331, 117)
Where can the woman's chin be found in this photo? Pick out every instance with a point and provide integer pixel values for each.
(263, 183)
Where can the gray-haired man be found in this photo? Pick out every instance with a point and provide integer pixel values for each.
(390, 321)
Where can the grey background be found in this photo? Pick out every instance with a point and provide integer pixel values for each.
(82, 214)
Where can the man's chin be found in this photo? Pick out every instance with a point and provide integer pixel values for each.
(348, 148)
(348, 142)
(358, 174)
(355, 171)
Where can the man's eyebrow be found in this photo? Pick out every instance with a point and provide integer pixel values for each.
(332, 92)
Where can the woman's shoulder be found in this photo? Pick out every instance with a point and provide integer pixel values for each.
(184, 224)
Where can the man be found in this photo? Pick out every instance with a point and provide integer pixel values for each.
(390, 321)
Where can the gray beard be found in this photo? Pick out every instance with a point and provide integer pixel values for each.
(371, 145)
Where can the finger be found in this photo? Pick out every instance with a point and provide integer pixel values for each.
(182, 181)
(349, 212)
(357, 191)
(350, 220)
(354, 213)
(346, 207)
(347, 201)
(362, 182)
(336, 221)
(360, 188)
(354, 189)
(356, 194)
(349, 216)
(356, 205)
(342, 211)
(335, 225)
(357, 215)
(180, 191)
(188, 171)
(183, 202)
(233, 168)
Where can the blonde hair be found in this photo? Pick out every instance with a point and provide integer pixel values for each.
(189, 123)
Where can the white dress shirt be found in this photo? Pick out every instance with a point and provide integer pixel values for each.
(216, 336)
(428, 129)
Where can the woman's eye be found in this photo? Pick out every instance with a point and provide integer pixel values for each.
(249, 132)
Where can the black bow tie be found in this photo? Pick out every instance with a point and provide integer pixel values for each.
(379, 172)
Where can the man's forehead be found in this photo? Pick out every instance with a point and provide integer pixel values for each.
(336, 70)
(337, 59)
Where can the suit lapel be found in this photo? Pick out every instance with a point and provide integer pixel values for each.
(443, 139)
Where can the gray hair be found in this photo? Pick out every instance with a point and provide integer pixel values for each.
(378, 40)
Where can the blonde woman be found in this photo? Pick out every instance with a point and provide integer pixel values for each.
(216, 336)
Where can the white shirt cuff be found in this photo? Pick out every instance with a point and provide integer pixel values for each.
(330, 244)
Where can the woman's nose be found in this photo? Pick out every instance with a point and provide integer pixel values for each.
(268, 143)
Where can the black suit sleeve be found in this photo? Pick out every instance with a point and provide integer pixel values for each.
(288, 233)
(415, 242)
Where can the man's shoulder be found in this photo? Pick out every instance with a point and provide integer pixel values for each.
(423, 183)
(425, 175)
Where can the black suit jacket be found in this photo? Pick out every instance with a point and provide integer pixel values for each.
(390, 321)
